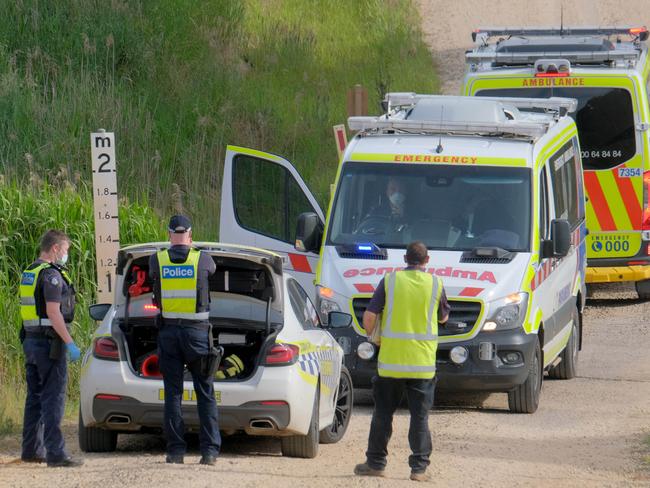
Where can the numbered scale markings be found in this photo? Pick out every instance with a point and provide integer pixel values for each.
(107, 236)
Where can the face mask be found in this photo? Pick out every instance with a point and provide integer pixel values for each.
(397, 199)
(62, 260)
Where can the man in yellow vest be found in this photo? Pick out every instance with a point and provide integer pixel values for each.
(181, 290)
(412, 303)
(47, 301)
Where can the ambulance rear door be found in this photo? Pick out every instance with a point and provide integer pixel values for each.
(262, 196)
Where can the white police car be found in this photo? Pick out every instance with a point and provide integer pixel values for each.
(290, 381)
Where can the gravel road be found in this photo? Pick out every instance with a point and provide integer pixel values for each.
(587, 431)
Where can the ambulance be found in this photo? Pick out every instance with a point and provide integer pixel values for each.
(492, 186)
(607, 71)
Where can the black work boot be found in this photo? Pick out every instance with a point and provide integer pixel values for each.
(365, 470)
(66, 462)
(208, 459)
(174, 459)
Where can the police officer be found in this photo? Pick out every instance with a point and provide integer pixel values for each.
(181, 291)
(47, 300)
(413, 303)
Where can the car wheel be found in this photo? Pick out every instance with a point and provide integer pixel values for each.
(343, 412)
(568, 366)
(643, 289)
(304, 446)
(94, 439)
(525, 397)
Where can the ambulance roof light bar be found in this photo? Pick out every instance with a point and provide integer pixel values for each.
(556, 104)
(480, 36)
(577, 57)
(528, 130)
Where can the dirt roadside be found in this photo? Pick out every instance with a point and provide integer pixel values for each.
(587, 431)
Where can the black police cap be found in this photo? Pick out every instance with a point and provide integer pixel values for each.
(179, 224)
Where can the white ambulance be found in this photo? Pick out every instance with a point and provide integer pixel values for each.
(492, 186)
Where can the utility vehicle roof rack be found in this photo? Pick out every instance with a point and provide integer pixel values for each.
(526, 130)
(556, 104)
(480, 36)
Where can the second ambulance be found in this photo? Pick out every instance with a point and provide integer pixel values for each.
(493, 187)
(607, 70)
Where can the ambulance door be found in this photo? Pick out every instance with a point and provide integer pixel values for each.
(262, 196)
(564, 169)
(543, 283)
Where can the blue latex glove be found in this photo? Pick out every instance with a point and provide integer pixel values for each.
(73, 352)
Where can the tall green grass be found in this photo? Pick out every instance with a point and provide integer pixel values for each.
(26, 212)
(177, 80)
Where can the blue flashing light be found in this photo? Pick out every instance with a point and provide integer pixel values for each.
(364, 248)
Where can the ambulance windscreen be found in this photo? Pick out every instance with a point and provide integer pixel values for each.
(448, 207)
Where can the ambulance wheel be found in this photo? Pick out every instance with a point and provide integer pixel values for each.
(643, 289)
(525, 397)
(94, 439)
(568, 366)
(304, 446)
(343, 412)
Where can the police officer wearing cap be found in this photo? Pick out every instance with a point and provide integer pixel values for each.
(47, 301)
(181, 290)
(412, 303)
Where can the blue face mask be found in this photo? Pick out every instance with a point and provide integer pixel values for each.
(62, 260)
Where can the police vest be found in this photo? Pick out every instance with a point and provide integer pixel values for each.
(409, 325)
(32, 308)
(178, 287)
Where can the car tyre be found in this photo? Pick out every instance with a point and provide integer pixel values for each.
(94, 439)
(304, 446)
(343, 410)
(643, 289)
(525, 397)
(568, 366)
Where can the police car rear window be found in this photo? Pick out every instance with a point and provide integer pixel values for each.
(605, 121)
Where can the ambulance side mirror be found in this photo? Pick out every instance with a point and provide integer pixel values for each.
(98, 311)
(309, 232)
(560, 237)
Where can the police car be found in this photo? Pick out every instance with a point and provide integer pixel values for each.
(607, 70)
(493, 187)
(282, 371)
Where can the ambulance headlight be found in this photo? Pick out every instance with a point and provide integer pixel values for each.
(366, 350)
(458, 354)
(507, 313)
(326, 304)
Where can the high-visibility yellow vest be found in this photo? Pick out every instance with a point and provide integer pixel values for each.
(28, 283)
(178, 287)
(409, 325)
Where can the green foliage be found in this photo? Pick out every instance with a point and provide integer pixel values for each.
(177, 80)
(26, 212)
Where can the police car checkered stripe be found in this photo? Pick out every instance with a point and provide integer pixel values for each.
(310, 364)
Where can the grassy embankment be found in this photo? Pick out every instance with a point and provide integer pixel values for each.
(176, 80)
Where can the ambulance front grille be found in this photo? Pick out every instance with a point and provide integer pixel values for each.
(462, 312)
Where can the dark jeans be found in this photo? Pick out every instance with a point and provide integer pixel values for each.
(180, 345)
(45, 401)
(387, 393)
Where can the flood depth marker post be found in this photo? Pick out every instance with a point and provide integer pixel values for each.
(107, 228)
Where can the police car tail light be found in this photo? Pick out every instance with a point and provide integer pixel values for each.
(106, 348)
(645, 224)
(282, 354)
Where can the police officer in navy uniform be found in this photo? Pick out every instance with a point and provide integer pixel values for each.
(181, 290)
(47, 301)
